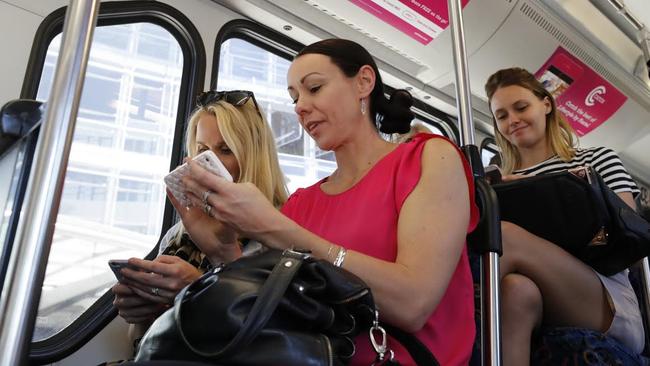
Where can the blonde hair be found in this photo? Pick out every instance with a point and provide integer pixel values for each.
(251, 140)
(559, 134)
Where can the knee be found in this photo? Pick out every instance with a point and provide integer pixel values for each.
(521, 299)
(513, 237)
(510, 231)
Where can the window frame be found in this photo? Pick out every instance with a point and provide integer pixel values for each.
(101, 313)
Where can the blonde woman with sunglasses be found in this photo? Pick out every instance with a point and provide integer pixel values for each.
(231, 125)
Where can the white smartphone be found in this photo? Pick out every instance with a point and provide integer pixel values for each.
(207, 160)
(117, 264)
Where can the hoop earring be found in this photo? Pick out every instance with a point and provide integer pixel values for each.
(363, 106)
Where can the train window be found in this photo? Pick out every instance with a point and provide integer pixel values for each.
(113, 197)
(423, 126)
(429, 119)
(489, 150)
(243, 65)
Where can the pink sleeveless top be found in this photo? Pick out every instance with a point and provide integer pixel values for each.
(364, 219)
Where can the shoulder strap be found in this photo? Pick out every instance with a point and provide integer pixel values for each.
(267, 300)
(418, 351)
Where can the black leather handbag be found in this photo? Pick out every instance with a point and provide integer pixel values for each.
(275, 308)
(576, 210)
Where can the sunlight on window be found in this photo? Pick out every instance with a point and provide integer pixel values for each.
(113, 196)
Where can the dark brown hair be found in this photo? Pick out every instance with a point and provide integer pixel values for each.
(391, 115)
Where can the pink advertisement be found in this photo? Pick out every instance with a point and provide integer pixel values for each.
(422, 20)
(583, 96)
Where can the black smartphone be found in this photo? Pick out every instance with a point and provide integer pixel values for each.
(117, 264)
(493, 174)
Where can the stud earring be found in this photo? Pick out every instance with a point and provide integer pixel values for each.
(363, 106)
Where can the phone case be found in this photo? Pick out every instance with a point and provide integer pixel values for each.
(207, 160)
(116, 265)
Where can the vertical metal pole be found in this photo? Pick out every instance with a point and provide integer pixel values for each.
(491, 337)
(22, 288)
(490, 280)
(463, 92)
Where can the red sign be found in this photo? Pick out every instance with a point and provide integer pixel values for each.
(584, 97)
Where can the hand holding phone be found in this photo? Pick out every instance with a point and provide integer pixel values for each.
(207, 160)
(117, 265)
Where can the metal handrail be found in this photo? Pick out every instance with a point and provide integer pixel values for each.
(490, 280)
(463, 92)
(22, 288)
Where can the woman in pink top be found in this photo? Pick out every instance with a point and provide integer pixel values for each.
(394, 215)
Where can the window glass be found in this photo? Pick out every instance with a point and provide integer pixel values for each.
(426, 127)
(246, 66)
(488, 153)
(486, 156)
(113, 196)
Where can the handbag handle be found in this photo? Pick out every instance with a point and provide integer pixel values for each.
(598, 186)
(267, 301)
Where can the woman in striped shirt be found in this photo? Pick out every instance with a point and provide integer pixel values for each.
(540, 282)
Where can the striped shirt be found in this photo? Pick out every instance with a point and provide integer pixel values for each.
(603, 160)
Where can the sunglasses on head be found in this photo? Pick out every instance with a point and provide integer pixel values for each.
(234, 97)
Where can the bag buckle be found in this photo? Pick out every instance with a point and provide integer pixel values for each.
(379, 342)
(583, 172)
(298, 254)
(600, 238)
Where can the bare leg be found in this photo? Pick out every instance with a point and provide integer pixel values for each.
(521, 309)
(572, 294)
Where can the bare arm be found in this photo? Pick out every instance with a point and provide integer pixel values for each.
(431, 235)
(628, 198)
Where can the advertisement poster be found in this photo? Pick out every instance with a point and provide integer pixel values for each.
(584, 97)
(422, 20)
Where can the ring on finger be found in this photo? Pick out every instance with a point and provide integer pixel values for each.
(205, 196)
(155, 291)
(207, 209)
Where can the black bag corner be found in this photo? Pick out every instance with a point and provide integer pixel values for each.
(577, 211)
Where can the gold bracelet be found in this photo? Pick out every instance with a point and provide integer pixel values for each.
(340, 257)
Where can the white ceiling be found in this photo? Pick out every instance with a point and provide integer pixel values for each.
(640, 9)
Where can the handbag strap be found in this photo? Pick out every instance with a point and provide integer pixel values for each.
(598, 186)
(418, 351)
(267, 301)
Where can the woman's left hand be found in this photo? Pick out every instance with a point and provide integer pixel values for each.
(161, 279)
(239, 205)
